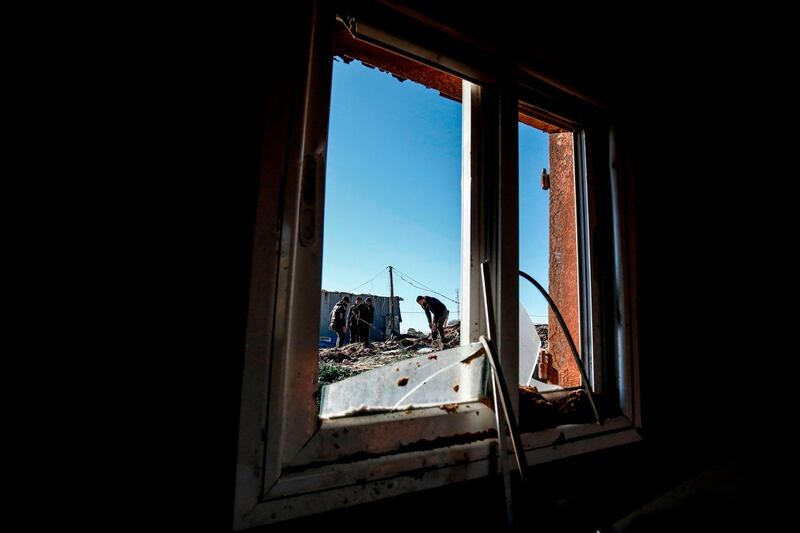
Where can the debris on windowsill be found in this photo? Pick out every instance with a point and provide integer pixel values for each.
(537, 412)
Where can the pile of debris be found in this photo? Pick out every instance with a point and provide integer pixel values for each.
(541, 329)
(537, 412)
(356, 358)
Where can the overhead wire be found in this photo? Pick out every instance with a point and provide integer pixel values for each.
(414, 283)
(420, 285)
(370, 280)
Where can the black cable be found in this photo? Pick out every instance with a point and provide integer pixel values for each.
(565, 329)
(427, 289)
(369, 280)
(422, 287)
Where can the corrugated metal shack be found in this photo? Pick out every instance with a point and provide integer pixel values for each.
(380, 331)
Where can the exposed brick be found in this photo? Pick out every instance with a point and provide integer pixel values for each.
(563, 273)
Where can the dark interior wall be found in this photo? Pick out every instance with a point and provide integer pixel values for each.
(689, 224)
(229, 81)
(685, 222)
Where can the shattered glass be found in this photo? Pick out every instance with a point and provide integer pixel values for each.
(456, 375)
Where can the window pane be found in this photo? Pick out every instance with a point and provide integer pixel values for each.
(392, 233)
(548, 253)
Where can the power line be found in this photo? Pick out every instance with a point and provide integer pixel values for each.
(417, 281)
(423, 286)
(426, 289)
(416, 284)
(369, 280)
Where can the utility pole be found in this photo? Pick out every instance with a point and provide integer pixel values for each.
(391, 302)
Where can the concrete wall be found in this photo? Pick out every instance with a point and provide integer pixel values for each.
(563, 267)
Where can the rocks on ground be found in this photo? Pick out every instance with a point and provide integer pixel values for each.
(356, 358)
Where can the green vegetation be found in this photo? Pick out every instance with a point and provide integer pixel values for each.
(329, 373)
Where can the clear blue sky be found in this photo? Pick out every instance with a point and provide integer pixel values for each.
(534, 216)
(393, 190)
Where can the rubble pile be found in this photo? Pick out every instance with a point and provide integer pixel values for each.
(541, 329)
(538, 412)
(356, 358)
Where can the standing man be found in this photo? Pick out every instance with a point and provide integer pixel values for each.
(366, 317)
(440, 313)
(352, 321)
(338, 322)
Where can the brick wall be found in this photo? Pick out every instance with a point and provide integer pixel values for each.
(563, 268)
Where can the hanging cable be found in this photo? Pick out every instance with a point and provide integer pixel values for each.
(425, 287)
(421, 285)
(565, 329)
(369, 280)
(428, 289)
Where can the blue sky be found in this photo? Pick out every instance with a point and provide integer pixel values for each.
(534, 214)
(393, 192)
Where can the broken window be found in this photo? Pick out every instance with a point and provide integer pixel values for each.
(392, 201)
(550, 378)
(293, 463)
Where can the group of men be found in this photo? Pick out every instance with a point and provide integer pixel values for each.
(359, 319)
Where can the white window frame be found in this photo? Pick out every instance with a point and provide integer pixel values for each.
(281, 440)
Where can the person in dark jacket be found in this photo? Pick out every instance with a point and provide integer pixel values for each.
(438, 321)
(366, 316)
(352, 321)
(338, 320)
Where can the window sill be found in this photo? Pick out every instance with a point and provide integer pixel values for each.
(315, 489)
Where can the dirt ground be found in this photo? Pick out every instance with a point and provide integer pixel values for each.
(356, 358)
